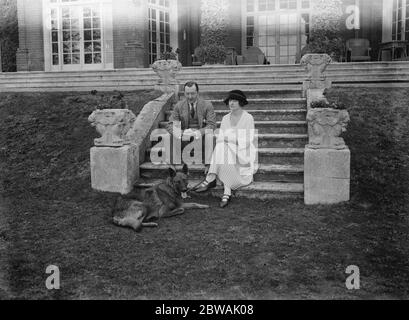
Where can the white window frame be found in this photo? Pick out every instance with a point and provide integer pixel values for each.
(256, 13)
(404, 16)
(106, 36)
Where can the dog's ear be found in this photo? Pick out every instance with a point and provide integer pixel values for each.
(172, 171)
(185, 169)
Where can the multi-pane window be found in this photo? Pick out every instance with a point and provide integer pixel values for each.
(71, 35)
(92, 35)
(397, 20)
(76, 32)
(152, 35)
(161, 3)
(159, 28)
(288, 4)
(280, 28)
(55, 36)
(407, 21)
(250, 31)
(305, 4)
(266, 5)
(250, 5)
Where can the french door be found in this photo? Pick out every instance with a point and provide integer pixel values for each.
(76, 37)
(280, 28)
(159, 28)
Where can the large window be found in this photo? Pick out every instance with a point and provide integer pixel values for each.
(159, 28)
(400, 20)
(75, 33)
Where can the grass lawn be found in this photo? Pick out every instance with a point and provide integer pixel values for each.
(252, 249)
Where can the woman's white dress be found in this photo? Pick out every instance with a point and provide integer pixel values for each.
(235, 161)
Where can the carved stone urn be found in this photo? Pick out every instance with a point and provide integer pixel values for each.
(167, 70)
(325, 126)
(112, 125)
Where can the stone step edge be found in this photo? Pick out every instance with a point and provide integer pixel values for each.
(276, 151)
(282, 136)
(270, 111)
(200, 167)
(280, 187)
(256, 123)
(267, 100)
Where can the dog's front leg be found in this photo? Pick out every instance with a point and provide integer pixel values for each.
(128, 222)
(191, 205)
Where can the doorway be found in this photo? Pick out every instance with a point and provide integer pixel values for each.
(280, 28)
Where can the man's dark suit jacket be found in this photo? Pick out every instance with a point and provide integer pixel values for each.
(205, 115)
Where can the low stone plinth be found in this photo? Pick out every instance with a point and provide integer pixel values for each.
(326, 176)
(114, 169)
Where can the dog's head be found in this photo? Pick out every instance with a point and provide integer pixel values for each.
(180, 180)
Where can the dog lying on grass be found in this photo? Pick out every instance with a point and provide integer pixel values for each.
(163, 200)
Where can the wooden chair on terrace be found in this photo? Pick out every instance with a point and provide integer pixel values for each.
(252, 55)
(358, 50)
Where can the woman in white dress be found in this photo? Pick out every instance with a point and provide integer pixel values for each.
(234, 159)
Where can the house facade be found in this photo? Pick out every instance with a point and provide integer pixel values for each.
(76, 35)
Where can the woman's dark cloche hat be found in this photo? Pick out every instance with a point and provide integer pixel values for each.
(236, 95)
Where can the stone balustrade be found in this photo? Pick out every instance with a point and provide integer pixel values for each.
(117, 154)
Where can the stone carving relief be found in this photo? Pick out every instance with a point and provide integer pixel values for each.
(316, 64)
(112, 125)
(325, 126)
(316, 83)
(167, 70)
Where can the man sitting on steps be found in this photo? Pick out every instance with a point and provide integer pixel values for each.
(196, 117)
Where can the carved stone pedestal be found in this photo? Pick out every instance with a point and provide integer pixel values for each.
(114, 169)
(316, 83)
(326, 176)
(114, 159)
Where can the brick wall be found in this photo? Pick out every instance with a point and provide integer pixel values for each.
(30, 54)
(130, 20)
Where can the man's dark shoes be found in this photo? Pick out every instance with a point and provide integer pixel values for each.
(204, 186)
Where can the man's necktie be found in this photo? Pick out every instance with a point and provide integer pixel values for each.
(192, 110)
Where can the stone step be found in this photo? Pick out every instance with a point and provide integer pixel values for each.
(210, 78)
(256, 190)
(285, 156)
(267, 115)
(285, 140)
(266, 104)
(296, 127)
(277, 156)
(253, 93)
(281, 140)
(276, 173)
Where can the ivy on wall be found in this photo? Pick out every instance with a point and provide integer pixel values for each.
(326, 29)
(8, 34)
(213, 29)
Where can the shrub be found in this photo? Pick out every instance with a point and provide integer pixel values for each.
(324, 104)
(326, 29)
(169, 55)
(213, 30)
(212, 53)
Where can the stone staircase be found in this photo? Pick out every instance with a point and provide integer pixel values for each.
(211, 78)
(282, 134)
